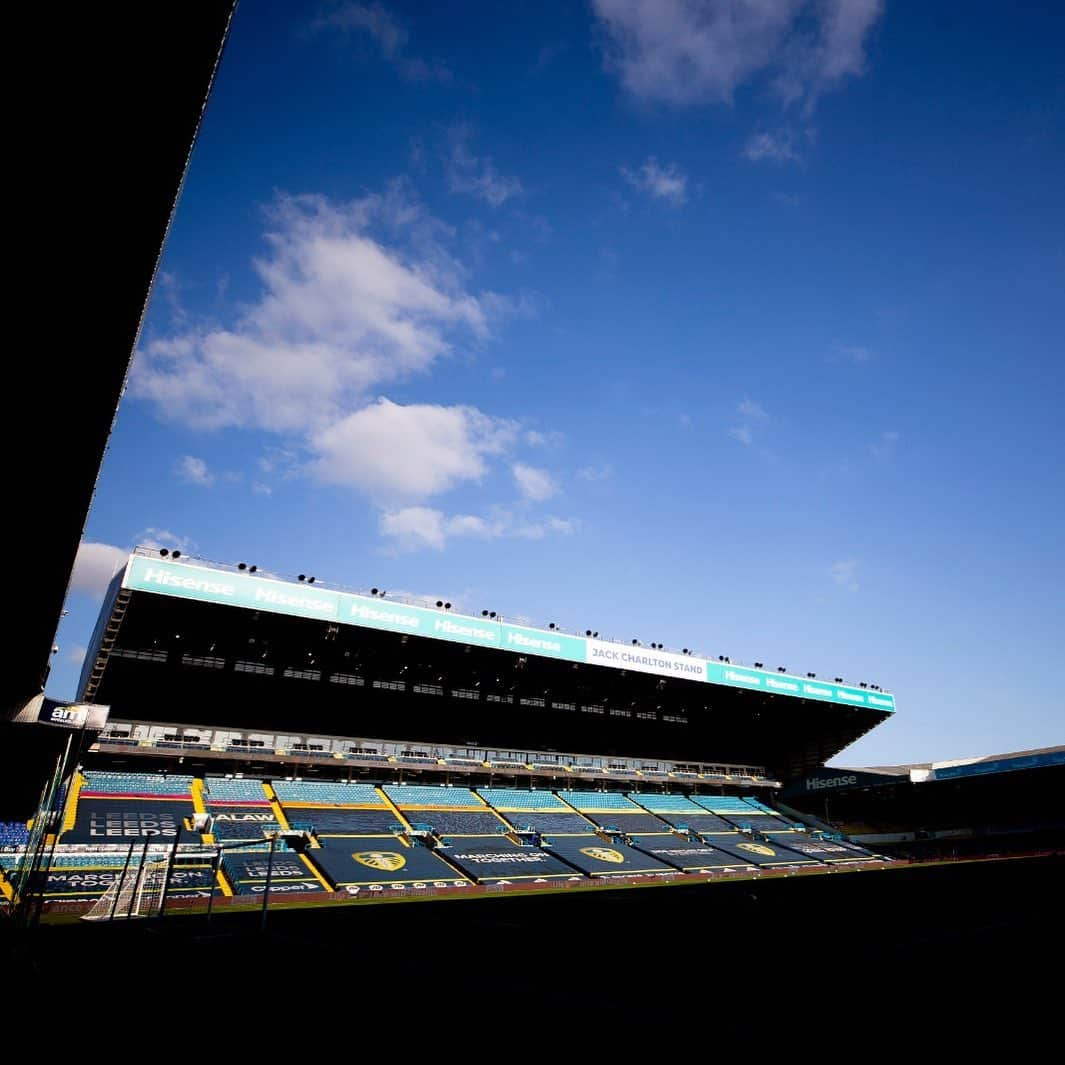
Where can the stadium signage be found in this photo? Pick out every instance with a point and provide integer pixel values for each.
(195, 581)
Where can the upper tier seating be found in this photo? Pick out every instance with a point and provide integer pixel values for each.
(156, 785)
(507, 799)
(233, 789)
(728, 805)
(666, 804)
(326, 793)
(599, 800)
(431, 796)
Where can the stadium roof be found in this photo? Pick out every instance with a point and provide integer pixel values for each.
(957, 767)
(253, 650)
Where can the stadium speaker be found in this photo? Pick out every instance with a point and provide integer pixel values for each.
(253, 569)
(302, 577)
(175, 554)
(163, 551)
(242, 566)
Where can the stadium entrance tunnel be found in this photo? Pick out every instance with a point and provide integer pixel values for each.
(592, 856)
(365, 861)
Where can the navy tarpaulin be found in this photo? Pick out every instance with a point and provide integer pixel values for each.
(689, 856)
(334, 822)
(592, 856)
(821, 850)
(288, 874)
(699, 822)
(242, 822)
(73, 885)
(760, 822)
(629, 822)
(758, 851)
(491, 860)
(368, 860)
(560, 822)
(128, 820)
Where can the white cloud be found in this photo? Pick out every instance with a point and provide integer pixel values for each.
(477, 176)
(884, 448)
(743, 434)
(534, 484)
(394, 452)
(94, 566)
(779, 146)
(76, 655)
(260, 488)
(192, 470)
(387, 32)
(156, 538)
(415, 528)
(602, 472)
(755, 411)
(844, 573)
(339, 314)
(667, 183)
(684, 52)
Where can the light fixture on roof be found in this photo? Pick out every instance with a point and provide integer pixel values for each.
(163, 551)
(302, 577)
(811, 675)
(781, 669)
(175, 554)
(635, 642)
(551, 625)
(862, 684)
(588, 632)
(686, 651)
(759, 665)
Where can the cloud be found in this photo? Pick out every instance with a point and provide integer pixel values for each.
(191, 470)
(76, 655)
(689, 52)
(156, 538)
(394, 452)
(339, 313)
(534, 484)
(659, 182)
(388, 34)
(416, 528)
(595, 473)
(884, 448)
(753, 415)
(844, 573)
(779, 146)
(94, 566)
(468, 173)
(749, 409)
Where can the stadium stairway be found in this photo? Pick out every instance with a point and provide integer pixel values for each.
(70, 814)
(394, 808)
(275, 805)
(200, 807)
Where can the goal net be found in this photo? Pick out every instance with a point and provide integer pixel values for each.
(136, 892)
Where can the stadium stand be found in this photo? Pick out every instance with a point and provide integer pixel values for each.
(14, 835)
(511, 800)
(355, 863)
(325, 793)
(243, 822)
(246, 792)
(417, 796)
(102, 784)
(289, 874)
(597, 858)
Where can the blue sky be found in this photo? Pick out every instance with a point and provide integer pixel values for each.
(733, 326)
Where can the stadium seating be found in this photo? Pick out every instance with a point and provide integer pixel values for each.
(462, 822)
(326, 793)
(331, 821)
(666, 804)
(148, 785)
(432, 797)
(238, 790)
(724, 804)
(243, 822)
(565, 824)
(506, 800)
(13, 835)
(586, 801)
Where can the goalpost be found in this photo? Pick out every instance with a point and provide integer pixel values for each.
(135, 892)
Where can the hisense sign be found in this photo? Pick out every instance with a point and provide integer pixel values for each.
(193, 581)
